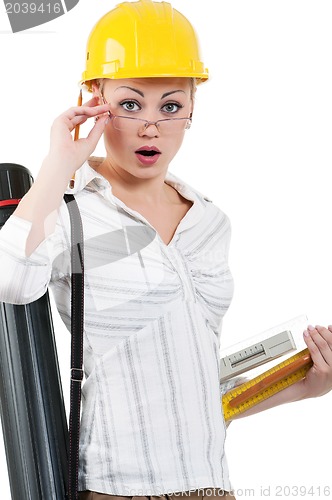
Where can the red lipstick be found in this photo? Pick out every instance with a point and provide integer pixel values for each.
(148, 155)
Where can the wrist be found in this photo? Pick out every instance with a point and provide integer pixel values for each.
(302, 390)
(54, 167)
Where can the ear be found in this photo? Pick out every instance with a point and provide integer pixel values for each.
(192, 105)
(189, 122)
(191, 114)
(96, 91)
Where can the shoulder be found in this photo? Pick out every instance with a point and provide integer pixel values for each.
(190, 192)
(184, 187)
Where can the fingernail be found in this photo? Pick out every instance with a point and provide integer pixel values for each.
(306, 333)
(311, 328)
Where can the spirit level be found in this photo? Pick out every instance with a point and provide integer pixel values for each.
(256, 354)
(249, 394)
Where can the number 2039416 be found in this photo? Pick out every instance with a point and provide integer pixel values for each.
(303, 491)
(33, 8)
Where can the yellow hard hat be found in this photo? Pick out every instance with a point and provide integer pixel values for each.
(143, 39)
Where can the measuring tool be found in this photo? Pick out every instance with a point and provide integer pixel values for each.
(249, 394)
(256, 354)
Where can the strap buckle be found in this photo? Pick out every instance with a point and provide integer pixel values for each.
(76, 374)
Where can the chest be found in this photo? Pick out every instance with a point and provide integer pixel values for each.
(166, 220)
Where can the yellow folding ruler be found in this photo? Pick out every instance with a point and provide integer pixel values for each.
(252, 392)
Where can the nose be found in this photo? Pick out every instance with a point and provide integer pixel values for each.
(149, 129)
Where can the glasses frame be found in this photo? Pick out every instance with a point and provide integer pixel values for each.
(147, 123)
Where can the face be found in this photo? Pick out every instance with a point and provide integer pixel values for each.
(133, 146)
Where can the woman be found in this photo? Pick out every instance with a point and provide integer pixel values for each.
(157, 279)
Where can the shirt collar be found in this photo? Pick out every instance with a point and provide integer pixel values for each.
(86, 175)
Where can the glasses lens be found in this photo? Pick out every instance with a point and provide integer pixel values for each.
(127, 123)
(172, 125)
(167, 126)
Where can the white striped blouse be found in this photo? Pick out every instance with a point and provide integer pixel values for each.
(152, 421)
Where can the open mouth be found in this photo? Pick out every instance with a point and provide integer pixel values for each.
(148, 155)
(144, 152)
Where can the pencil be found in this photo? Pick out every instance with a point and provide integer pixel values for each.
(271, 379)
(76, 136)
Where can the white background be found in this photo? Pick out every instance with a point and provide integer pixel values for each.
(260, 147)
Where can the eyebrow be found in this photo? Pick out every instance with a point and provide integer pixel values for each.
(171, 92)
(141, 93)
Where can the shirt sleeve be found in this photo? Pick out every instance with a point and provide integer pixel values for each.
(228, 385)
(25, 279)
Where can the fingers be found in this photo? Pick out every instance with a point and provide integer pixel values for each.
(319, 343)
(92, 102)
(96, 132)
(90, 108)
(66, 123)
(62, 141)
(79, 114)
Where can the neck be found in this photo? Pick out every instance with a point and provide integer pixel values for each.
(152, 190)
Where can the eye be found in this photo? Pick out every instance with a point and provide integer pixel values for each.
(172, 107)
(130, 105)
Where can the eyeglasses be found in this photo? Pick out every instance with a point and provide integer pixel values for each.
(164, 126)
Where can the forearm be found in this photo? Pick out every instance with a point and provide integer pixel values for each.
(39, 206)
(293, 393)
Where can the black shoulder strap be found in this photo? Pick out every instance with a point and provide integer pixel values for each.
(77, 324)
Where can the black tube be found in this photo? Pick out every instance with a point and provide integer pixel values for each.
(31, 400)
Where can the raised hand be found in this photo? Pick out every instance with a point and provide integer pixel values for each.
(64, 152)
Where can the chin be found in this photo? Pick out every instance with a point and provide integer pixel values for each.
(147, 171)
